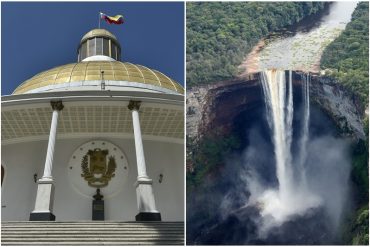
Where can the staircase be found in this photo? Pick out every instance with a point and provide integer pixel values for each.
(91, 233)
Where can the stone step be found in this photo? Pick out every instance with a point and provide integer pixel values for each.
(91, 225)
(77, 233)
(92, 233)
(61, 243)
(89, 238)
(96, 222)
(93, 228)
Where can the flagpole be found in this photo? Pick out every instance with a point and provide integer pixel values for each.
(99, 19)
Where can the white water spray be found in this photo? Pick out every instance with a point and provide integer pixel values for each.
(305, 130)
(274, 87)
(292, 197)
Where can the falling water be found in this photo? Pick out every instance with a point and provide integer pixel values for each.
(305, 131)
(292, 195)
(274, 87)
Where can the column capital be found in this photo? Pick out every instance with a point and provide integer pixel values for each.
(57, 105)
(134, 105)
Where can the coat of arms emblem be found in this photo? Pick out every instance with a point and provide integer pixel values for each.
(95, 169)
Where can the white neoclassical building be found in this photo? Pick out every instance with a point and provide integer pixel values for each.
(96, 139)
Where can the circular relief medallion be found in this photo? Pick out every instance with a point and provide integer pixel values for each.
(98, 165)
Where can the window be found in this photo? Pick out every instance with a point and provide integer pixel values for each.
(114, 51)
(118, 54)
(91, 50)
(83, 51)
(106, 47)
(99, 46)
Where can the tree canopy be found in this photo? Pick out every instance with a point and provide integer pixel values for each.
(220, 34)
(348, 55)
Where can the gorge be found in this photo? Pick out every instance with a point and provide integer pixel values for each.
(247, 184)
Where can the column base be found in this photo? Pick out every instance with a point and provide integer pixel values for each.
(44, 201)
(145, 216)
(42, 217)
(145, 196)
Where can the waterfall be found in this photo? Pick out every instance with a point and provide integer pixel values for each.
(304, 129)
(292, 195)
(280, 118)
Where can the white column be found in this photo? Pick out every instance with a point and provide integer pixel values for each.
(144, 190)
(140, 158)
(45, 189)
(50, 152)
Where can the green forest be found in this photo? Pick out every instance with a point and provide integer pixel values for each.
(347, 56)
(219, 34)
(347, 59)
(206, 155)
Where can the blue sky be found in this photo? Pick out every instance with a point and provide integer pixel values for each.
(39, 36)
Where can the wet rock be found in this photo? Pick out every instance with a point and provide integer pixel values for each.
(341, 104)
(215, 106)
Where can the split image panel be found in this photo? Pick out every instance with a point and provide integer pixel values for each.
(95, 150)
(277, 123)
(92, 127)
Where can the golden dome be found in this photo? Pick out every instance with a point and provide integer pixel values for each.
(98, 33)
(91, 71)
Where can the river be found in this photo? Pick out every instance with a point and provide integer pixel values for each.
(300, 47)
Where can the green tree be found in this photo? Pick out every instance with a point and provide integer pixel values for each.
(349, 54)
(220, 34)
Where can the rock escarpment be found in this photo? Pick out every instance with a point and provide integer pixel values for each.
(342, 105)
(214, 106)
(217, 104)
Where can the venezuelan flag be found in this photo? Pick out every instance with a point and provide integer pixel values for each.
(118, 19)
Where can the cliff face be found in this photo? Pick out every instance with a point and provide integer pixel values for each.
(196, 103)
(342, 105)
(216, 105)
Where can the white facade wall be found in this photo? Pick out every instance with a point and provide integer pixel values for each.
(21, 161)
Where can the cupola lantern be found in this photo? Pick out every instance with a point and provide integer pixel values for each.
(99, 45)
